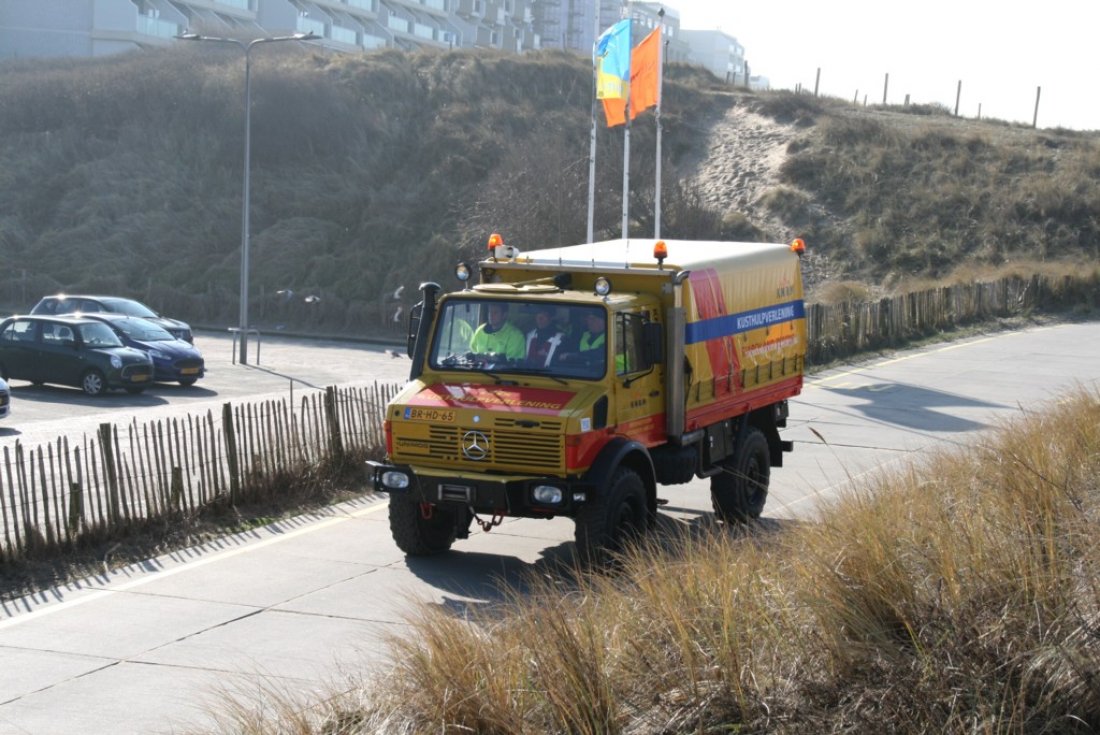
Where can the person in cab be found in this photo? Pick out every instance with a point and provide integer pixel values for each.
(544, 340)
(498, 335)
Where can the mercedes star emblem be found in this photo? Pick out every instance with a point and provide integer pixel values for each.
(475, 445)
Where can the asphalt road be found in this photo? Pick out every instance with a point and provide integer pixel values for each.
(292, 606)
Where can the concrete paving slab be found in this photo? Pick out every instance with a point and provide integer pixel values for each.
(141, 698)
(120, 625)
(26, 670)
(255, 580)
(277, 643)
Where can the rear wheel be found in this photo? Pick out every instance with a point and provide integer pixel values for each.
(617, 514)
(420, 529)
(739, 492)
(93, 383)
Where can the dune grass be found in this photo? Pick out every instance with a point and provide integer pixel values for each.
(958, 594)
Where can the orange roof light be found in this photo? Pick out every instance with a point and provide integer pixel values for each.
(495, 241)
(660, 250)
(798, 246)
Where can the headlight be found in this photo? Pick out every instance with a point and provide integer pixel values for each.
(547, 494)
(395, 479)
(603, 286)
(116, 362)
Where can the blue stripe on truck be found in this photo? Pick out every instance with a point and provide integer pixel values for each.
(730, 324)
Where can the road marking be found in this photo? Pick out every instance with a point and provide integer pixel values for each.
(148, 577)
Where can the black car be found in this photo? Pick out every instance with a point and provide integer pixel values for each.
(69, 304)
(71, 350)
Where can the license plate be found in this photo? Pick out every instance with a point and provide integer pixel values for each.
(139, 378)
(441, 415)
(189, 371)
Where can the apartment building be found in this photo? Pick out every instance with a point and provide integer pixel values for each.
(719, 52)
(39, 28)
(45, 28)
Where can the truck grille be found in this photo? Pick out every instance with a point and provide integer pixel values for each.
(510, 446)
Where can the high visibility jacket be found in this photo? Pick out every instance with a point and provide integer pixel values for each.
(507, 341)
(588, 342)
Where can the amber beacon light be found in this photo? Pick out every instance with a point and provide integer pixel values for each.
(660, 252)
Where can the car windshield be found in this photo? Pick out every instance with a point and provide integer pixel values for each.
(529, 337)
(143, 331)
(128, 307)
(99, 335)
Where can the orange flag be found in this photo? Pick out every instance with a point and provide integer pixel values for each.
(645, 63)
(615, 111)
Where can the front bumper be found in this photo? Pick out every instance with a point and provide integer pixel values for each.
(129, 376)
(510, 495)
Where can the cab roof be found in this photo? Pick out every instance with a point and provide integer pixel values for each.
(636, 254)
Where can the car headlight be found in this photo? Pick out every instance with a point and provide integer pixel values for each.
(547, 494)
(395, 480)
(116, 362)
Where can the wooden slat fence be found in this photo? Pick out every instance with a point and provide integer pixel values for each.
(840, 330)
(54, 496)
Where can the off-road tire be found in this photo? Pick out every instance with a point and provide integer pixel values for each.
(417, 535)
(740, 490)
(610, 520)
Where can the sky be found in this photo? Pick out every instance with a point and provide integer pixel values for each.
(1002, 52)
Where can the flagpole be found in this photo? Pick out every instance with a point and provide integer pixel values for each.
(592, 140)
(626, 167)
(660, 82)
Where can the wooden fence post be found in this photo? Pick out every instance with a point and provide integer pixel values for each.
(110, 472)
(332, 419)
(231, 453)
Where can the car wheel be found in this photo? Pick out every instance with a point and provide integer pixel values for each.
(135, 389)
(93, 383)
(739, 492)
(188, 382)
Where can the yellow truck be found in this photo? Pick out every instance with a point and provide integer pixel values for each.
(574, 381)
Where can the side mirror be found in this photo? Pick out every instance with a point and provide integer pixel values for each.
(653, 343)
(415, 315)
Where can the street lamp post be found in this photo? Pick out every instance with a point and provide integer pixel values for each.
(242, 326)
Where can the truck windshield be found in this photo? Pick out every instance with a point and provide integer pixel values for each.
(531, 337)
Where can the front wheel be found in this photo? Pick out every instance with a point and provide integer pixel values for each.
(740, 490)
(617, 514)
(420, 529)
(187, 382)
(93, 383)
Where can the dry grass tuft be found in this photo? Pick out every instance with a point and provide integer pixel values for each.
(959, 594)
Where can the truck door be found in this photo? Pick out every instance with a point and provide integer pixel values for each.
(638, 386)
